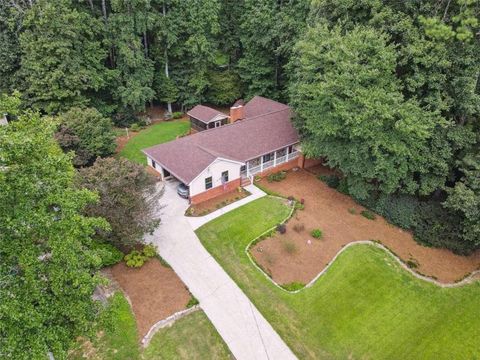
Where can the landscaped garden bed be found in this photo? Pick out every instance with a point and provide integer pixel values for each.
(297, 256)
(154, 290)
(209, 206)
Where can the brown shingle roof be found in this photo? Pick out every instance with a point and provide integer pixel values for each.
(206, 114)
(244, 140)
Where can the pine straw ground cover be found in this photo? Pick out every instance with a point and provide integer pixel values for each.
(209, 206)
(365, 306)
(341, 221)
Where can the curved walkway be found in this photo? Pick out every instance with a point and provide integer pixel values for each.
(246, 332)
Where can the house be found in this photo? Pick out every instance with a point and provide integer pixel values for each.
(203, 118)
(258, 139)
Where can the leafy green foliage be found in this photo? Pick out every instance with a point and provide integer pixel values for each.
(367, 214)
(62, 56)
(224, 87)
(362, 124)
(108, 253)
(135, 259)
(316, 233)
(278, 176)
(87, 133)
(47, 267)
(128, 199)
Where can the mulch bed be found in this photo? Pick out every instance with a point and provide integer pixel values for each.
(123, 140)
(290, 258)
(216, 203)
(154, 290)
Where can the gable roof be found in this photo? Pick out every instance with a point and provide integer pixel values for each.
(206, 114)
(241, 141)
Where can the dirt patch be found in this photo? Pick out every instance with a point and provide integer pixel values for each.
(154, 291)
(209, 206)
(297, 257)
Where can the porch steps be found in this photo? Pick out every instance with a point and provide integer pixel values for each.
(245, 182)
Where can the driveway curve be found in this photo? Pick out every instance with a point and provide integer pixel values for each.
(242, 327)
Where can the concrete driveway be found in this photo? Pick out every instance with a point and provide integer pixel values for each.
(242, 327)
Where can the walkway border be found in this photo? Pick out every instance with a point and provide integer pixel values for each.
(168, 321)
(466, 280)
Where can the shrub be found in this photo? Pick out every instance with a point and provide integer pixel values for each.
(135, 259)
(135, 127)
(331, 180)
(298, 227)
(192, 302)
(289, 246)
(293, 286)
(401, 210)
(150, 250)
(368, 214)
(299, 206)
(316, 233)
(412, 263)
(352, 211)
(108, 253)
(290, 198)
(124, 118)
(282, 228)
(278, 176)
(177, 114)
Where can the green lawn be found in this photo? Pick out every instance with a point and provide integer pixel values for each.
(192, 337)
(365, 307)
(153, 135)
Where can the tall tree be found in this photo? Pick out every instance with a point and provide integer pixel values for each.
(47, 272)
(350, 109)
(270, 28)
(129, 22)
(62, 57)
(129, 199)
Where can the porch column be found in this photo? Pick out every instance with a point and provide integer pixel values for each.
(248, 169)
(286, 159)
(261, 163)
(274, 159)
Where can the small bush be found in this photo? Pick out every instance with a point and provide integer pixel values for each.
(316, 233)
(331, 180)
(368, 214)
(177, 114)
(299, 206)
(293, 286)
(192, 302)
(282, 228)
(289, 246)
(290, 198)
(108, 253)
(135, 259)
(135, 127)
(149, 250)
(412, 263)
(278, 176)
(352, 211)
(298, 227)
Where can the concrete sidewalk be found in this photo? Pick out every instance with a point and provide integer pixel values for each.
(198, 221)
(246, 332)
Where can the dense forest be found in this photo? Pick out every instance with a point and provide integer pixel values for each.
(387, 92)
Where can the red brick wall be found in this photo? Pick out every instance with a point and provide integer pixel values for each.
(285, 166)
(216, 191)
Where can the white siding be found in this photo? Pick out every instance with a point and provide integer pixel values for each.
(215, 170)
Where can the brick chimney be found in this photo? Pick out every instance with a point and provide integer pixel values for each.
(237, 112)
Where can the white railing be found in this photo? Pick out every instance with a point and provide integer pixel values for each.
(275, 162)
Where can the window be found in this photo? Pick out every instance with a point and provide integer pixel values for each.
(208, 183)
(225, 177)
(267, 157)
(290, 149)
(154, 165)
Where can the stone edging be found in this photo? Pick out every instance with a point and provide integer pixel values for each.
(468, 279)
(167, 322)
